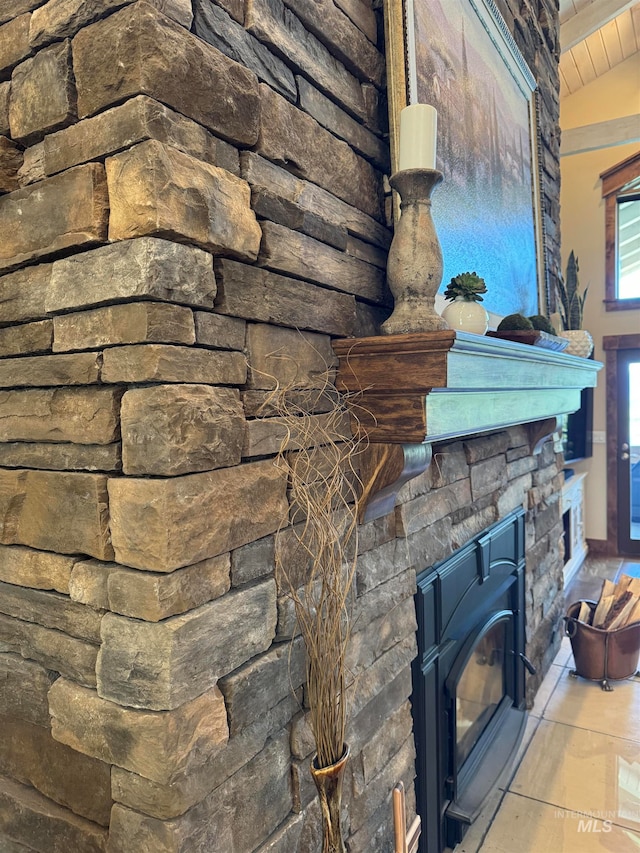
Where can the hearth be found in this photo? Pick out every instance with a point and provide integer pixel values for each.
(468, 679)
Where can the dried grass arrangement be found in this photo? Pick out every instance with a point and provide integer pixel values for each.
(318, 454)
(319, 457)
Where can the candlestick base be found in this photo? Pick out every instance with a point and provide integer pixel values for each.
(414, 265)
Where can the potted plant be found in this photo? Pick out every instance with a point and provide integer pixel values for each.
(571, 310)
(464, 312)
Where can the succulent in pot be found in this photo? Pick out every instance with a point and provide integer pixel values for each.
(464, 312)
(467, 286)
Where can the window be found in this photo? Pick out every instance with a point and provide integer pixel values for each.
(628, 246)
(621, 192)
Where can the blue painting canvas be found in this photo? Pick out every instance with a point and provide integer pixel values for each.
(484, 209)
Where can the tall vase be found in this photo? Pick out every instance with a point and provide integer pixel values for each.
(414, 265)
(329, 784)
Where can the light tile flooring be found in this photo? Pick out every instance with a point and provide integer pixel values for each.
(574, 787)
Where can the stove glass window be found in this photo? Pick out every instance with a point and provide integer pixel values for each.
(480, 689)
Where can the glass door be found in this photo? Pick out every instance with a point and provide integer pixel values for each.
(480, 690)
(629, 452)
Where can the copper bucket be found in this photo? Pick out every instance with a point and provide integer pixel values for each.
(602, 655)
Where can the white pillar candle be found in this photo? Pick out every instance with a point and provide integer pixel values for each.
(418, 128)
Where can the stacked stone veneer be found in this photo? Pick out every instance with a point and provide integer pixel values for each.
(191, 208)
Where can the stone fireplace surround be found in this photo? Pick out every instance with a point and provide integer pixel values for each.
(410, 392)
(145, 668)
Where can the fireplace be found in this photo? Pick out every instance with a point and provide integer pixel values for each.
(420, 391)
(468, 678)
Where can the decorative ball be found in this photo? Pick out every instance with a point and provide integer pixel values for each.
(542, 324)
(515, 323)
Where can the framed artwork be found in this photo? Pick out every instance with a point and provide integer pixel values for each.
(459, 56)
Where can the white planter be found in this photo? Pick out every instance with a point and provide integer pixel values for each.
(580, 342)
(466, 316)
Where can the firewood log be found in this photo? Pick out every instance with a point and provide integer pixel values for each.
(617, 607)
(585, 613)
(626, 586)
(626, 583)
(604, 605)
(634, 616)
(618, 614)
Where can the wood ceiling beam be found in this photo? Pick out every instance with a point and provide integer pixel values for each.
(603, 134)
(589, 19)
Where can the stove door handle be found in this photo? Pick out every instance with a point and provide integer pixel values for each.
(528, 665)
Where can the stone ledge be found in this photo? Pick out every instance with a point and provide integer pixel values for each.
(154, 189)
(67, 211)
(159, 666)
(54, 20)
(44, 825)
(157, 57)
(61, 511)
(165, 524)
(55, 651)
(182, 739)
(30, 755)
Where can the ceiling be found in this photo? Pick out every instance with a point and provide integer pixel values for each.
(595, 35)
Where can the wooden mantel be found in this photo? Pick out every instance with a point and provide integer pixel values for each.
(416, 389)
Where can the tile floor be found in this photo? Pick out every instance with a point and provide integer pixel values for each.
(574, 787)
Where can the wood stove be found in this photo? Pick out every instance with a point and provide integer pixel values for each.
(468, 679)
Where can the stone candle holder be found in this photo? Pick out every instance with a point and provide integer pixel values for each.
(414, 265)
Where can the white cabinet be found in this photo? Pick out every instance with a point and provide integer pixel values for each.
(575, 545)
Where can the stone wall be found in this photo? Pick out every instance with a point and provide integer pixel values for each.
(191, 191)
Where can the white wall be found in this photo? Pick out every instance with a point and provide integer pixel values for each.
(614, 95)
